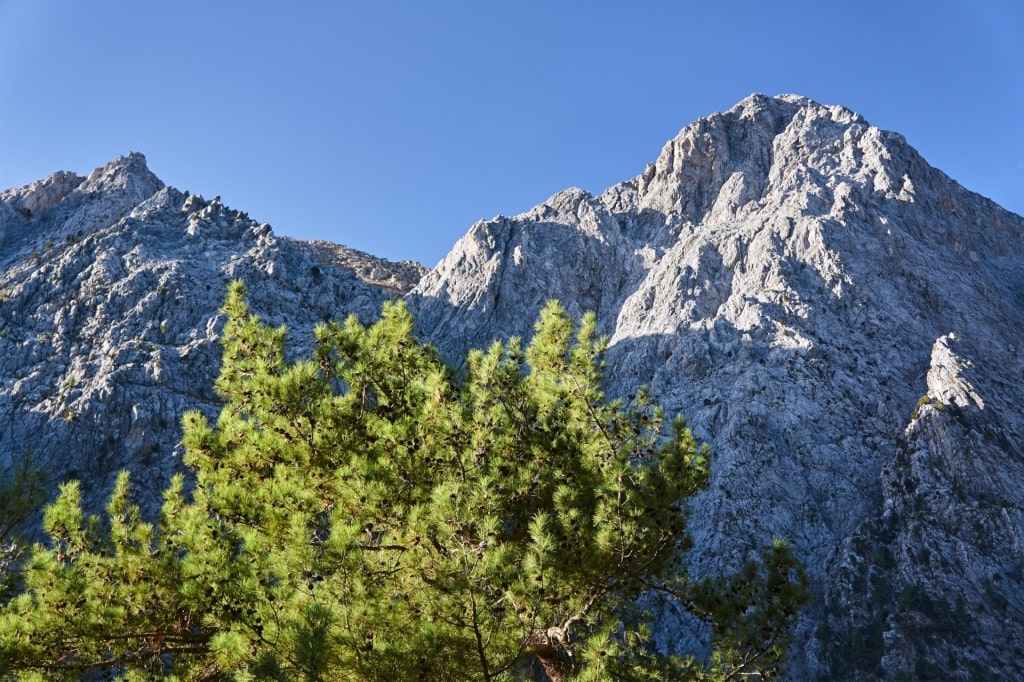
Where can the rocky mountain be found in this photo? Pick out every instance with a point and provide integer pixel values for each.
(839, 320)
(109, 290)
(842, 323)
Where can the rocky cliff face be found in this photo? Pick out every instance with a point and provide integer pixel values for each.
(838, 319)
(109, 290)
(842, 322)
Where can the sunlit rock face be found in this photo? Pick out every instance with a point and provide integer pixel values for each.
(842, 322)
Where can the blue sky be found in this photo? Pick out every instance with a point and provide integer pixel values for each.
(392, 126)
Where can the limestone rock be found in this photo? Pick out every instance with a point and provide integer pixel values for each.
(794, 280)
(39, 196)
(109, 293)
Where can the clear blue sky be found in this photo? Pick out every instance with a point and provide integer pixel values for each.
(393, 126)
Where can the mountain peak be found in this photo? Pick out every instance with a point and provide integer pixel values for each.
(126, 180)
(784, 274)
(125, 175)
(789, 104)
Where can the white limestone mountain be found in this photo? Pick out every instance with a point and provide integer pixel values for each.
(838, 319)
(842, 323)
(109, 293)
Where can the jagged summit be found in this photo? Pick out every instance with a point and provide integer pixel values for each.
(787, 169)
(128, 174)
(127, 177)
(768, 144)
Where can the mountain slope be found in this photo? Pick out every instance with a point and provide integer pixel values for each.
(109, 290)
(794, 280)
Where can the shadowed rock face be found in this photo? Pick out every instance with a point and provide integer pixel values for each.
(109, 293)
(794, 281)
(838, 319)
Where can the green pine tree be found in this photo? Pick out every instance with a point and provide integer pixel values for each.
(23, 488)
(367, 514)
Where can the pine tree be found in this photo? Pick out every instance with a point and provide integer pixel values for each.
(23, 487)
(367, 513)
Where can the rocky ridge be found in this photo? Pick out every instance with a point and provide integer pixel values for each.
(837, 318)
(841, 322)
(109, 293)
